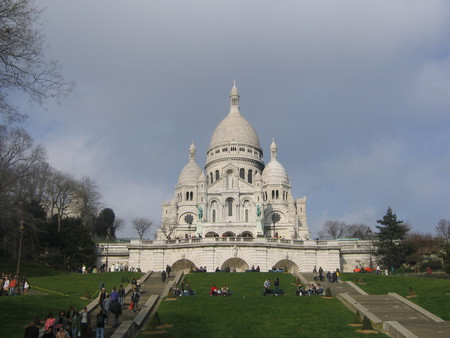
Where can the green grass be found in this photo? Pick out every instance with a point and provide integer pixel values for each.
(248, 314)
(27, 268)
(432, 294)
(59, 292)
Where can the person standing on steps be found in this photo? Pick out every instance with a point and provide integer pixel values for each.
(135, 299)
(168, 270)
(163, 276)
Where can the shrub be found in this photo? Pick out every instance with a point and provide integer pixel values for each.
(328, 293)
(366, 324)
(405, 269)
(357, 319)
(411, 291)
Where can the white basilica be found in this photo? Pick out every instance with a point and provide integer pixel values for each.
(236, 213)
(237, 194)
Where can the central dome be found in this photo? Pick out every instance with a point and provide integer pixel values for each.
(234, 128)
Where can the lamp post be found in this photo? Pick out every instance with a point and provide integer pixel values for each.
(108, 233)
(21, 230)
(370, 234)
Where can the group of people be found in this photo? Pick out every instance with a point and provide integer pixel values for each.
(223, 291)
(200, 269)
(166, 273)
(309, 289)
(68, 324)
(12, 285)
(111, 303)
(183, 290)
(333, 277)
(268, 283)
(106, 268)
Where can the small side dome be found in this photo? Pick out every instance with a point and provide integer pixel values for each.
(191, 172)
(274, 172)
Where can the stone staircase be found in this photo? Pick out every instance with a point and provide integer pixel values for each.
(391, 313)
(153, 285)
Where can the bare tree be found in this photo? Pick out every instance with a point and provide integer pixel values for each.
(443, 230)
(142, 225)
(334, 229)
(61, 191)
(168, 227)
(23, 66)
(87, 201)
(360, 231)
(118, 224)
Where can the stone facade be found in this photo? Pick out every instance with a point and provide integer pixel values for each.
(236, 195)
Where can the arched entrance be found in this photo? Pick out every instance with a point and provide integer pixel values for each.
(235, 264)
(211, 234)
(229, 234)
(184, 265)
(246, 234)
(287, 265)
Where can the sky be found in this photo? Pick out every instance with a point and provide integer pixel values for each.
(355, 93)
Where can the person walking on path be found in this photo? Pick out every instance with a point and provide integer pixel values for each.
(100, 332)
(168, 270)
(135, 300)
(116, 310)
(106, 306)
(85, 321)
(121, 294)
(163, 276)
(114, 296)
(75, 328)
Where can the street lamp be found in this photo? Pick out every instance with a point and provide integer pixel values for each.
(21, 230)
(370, 234)
(108, 233)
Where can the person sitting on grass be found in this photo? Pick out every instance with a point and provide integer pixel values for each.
(225, 290)
(213, 291)
(319, 290)
(266, 287)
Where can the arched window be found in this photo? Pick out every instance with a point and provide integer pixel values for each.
(246, 215)
(187, 195)
(242, 173)
(277, 194)
(273, 194)
(211, 175)
(191, 195)
(217, 175)
(214, 216)
(250, 176)
(230, 206)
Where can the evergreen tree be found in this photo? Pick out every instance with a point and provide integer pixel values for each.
(105, 220)
(391, 249)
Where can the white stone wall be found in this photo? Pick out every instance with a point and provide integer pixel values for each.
(242, 253)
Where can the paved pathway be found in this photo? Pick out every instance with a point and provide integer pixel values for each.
(391, 308)
(152, 286)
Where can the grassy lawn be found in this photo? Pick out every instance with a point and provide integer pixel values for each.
(431, 293)
(56, 293)
(248, 314)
